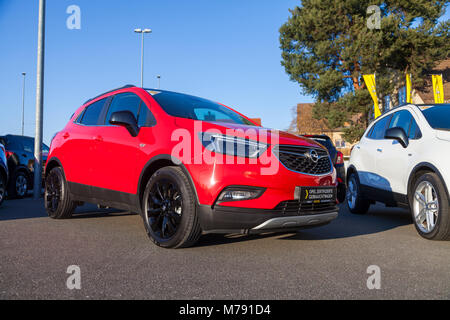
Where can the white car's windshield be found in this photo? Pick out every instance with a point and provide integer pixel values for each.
(438, 116)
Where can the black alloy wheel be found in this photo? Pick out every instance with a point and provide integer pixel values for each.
(53, 191)
(169, 209)
(165, 208)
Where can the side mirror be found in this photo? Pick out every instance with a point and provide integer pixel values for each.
(398, 134)
(125, 119)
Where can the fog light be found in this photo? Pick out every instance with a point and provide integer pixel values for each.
(240, 193)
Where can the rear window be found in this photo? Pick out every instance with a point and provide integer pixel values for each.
(190, 107)
(11, 143)
(325, 142)
(438, 116)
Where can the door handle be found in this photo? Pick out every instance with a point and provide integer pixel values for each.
(98, 138)
(66, 135)
(380, 150)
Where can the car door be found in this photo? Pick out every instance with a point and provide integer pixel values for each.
(80, 147)
(367, 152)
(121, 156)
(393, 159)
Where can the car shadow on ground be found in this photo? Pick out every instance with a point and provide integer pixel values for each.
(347, 225)
(379, 219)
(27, 208)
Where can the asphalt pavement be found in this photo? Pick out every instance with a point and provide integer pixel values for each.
(117, 261)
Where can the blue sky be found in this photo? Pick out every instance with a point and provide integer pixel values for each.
(224, 50)
(227, 51)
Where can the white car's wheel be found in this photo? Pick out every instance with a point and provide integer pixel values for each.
(430, 208)
(355, 201)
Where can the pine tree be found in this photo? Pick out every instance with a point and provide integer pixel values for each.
(327, 46)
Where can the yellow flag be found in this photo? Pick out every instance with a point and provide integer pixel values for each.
(369, 79)
(408, 88)
(438, 88)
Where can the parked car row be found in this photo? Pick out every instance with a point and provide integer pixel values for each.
(18, 162)
(118, 151)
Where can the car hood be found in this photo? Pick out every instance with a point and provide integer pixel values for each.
(268, 135)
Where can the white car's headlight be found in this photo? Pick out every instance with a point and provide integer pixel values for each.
(233, 146)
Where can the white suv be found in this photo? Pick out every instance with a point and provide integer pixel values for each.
(403, 159)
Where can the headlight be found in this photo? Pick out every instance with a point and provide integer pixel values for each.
(233, 146)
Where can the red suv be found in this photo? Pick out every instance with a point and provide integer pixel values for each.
(187, 165)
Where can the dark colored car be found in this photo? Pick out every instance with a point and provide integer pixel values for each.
(338, 161)
(3, 173)
(20, 160)
(188, 165)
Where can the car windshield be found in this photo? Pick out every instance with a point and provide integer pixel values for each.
(190, 107)
(437, 116)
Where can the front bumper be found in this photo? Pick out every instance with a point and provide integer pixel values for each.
(220, 219)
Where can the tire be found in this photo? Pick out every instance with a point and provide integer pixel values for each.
(355, 202)
(341, 192)
(2, 188)
(169, 209)
(429, 204)
(18, 186)
(57, 199)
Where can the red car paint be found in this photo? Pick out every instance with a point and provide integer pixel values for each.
(108, 157)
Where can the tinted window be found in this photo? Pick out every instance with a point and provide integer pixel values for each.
(438, 117)
(145, 118)
(401, 119)
(12, 143)
(379, 128)
(326, 143)
(190, 107)
(414, 131)
(124, 102)
(92, 113)
(80, 117)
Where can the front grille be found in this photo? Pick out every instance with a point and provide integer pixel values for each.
(294, 207)
(296, 158)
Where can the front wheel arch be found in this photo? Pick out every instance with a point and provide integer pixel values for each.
(156, 163)
(418, 171)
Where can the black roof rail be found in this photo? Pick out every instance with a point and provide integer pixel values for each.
(124, 87)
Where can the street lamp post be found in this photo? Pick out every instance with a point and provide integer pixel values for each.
(142, 32)
(23, 102)
(39, 103)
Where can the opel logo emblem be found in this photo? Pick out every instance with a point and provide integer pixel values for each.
(313, 156)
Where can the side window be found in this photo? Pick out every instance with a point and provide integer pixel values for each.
(146, 118)
(401, 119)
(414, 131)
(379, 128)
(124, 102)
(80, 117)
(91, 115)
